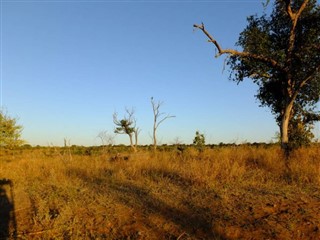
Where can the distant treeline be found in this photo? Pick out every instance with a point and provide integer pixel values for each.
(163, 147)
(121, 148)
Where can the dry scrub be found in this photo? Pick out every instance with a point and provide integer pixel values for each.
(222, 193)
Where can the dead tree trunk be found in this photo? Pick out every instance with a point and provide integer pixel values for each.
(157, 120)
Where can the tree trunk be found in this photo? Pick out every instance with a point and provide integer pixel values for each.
(284, 129)
(154, 136)
(136, 132)
(131, 142)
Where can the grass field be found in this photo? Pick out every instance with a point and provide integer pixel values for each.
(239, 192)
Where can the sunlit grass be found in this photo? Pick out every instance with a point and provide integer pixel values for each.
(220, 193)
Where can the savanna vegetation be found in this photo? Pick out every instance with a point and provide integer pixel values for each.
(10, 131)
(179, 192)
(199, 191)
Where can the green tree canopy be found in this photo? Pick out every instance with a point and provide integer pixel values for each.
(199, 141)
(10, 131)
(281, 54)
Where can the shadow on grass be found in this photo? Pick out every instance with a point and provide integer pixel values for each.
(7, 214)
(196, 223)
(191, 218)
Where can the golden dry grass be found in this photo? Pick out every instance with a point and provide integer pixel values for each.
(222, 193)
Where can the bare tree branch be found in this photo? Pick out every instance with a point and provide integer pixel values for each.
(131, 117)
(163, 119)
(115, 118)
(156, 122)
(221, 51)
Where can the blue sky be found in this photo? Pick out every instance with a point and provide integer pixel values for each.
(67, 66)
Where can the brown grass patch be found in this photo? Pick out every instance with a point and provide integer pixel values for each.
(222, 193)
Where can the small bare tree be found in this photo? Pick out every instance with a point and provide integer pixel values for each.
(127, 125)
(106, 138)
(158, 118)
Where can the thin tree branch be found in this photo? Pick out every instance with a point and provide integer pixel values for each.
(311, 75)
(156, 122)
(289, 9)
(115, 118)
(302, 83)
(163, 119)
(233, 52)
(303, 6)
(131, 119)
(294, 16)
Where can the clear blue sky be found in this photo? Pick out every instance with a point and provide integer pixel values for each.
(68, 65)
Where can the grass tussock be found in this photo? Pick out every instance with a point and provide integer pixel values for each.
(237, 192)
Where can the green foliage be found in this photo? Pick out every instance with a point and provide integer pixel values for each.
(295, 71)
(10, 132)
(127, 125)
(124, 127)
(199, 141)
(300, 134)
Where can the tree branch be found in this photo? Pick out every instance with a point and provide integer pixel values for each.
(211, 39)
(157, 113)
(163, 119)
(233, 52)
(303, 83)
(294, 16)
(317, 69)
(131, 119)
(115, 118)
(303, 6)
(289, 9)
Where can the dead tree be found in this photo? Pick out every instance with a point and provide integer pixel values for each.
(158, 118)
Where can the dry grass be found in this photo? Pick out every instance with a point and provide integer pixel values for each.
(222, 193)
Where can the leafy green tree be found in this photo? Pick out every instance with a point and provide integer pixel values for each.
(199, 141)
(281, 54)
(10, 132)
